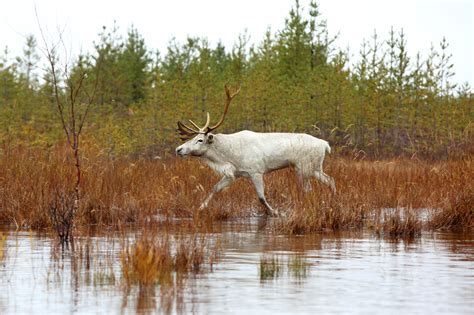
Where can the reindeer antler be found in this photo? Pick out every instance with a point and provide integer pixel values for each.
(229, 98)
(187, 132)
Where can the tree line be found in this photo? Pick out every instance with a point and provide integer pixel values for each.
(385, 102)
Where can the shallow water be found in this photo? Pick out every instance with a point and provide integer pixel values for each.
(344, 272)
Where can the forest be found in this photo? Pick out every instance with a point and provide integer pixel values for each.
(386, 102)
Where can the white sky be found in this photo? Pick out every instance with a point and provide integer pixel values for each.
(424, 22)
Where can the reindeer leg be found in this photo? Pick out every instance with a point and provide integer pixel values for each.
(223, 183)
(303, 179)
(326, 180)
(257, 180)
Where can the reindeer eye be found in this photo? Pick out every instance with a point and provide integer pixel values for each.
(200, 140)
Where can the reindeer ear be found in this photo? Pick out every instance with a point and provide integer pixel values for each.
(210, 138)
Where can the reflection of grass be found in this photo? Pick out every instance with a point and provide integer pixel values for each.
(156, 265)
(3, 247)
(167, 260)
(102, 277)
(298, 267)
(270, 267)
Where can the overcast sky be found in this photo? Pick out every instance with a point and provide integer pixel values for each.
(424, 22)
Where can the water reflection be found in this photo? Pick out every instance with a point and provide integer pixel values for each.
(258, 272)
(273, 267)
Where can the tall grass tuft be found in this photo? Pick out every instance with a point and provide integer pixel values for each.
(397, 223)
(458, 214)
(158, 258)
(147, 261)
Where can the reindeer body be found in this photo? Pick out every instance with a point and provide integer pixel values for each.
(252, 154)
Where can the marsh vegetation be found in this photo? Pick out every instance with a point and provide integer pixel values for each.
(114, 216)
(397, 197)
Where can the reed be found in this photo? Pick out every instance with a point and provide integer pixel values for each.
(146, 262)
(164, 258)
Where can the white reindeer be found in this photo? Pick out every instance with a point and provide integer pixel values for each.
(253, 154)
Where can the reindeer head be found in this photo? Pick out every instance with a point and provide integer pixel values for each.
(199, 139)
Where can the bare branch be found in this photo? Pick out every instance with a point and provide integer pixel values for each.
(92, 95)
(50, 55)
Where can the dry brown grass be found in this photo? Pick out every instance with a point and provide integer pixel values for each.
(394, 198)
(123, 191)
(458, 212)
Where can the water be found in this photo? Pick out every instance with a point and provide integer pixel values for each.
(343, 273)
